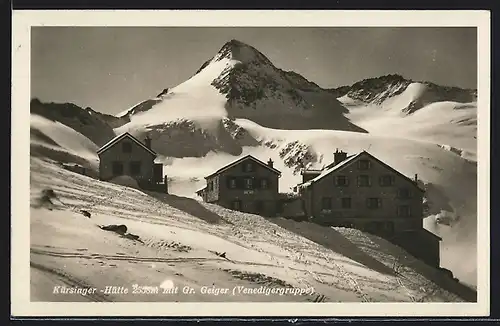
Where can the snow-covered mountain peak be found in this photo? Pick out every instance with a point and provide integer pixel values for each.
(241, 82)
(242, 52)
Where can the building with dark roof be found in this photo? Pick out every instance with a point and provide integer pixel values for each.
(246, 184)
(362, 192)
(125, 155)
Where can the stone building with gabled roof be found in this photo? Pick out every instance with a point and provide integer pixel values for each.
(125, 155)
(246, 184)
(363, 192)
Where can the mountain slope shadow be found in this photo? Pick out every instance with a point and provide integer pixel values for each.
(188, 205)
(331, 239)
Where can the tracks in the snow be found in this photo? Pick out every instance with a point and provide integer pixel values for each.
(70, 281)
(355, 285)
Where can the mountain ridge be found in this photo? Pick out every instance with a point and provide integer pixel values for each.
(376, 90)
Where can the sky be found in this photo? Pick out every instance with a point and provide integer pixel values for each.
(110, 69)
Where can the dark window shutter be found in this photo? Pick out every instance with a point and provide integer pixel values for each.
(346, 181)
(369, 181)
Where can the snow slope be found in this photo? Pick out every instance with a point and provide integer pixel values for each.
(96, 126)
(57, 137)
(420, 112)
(179, 240)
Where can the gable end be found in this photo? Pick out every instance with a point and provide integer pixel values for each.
(241, 160)
(119, 138)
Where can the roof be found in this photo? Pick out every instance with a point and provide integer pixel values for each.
(431, 234)
(424, 231)
(238, 161)
(331, 165)
(115, 140)
(310, 171)
(201, 189)
(330, 170)
(351, 159)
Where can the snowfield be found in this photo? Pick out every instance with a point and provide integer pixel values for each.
(448, 123)
(179, 238)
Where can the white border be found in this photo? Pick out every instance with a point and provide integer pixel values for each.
(20, 279)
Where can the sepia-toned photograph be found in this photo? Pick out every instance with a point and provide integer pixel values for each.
(307, 165)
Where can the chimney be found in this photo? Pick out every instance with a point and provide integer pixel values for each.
(416, 178)
(147, 142)
(339, 156)
(270, 163)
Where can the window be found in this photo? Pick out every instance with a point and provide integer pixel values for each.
(374, 203)
(127, 147)
(326, 203)
(404, 193)
(404, 211)
(341, 181)
(236, 205)
(135, 168)
(210, 186)
(117, 168)
(386, 180)
(248, 167)
(248, 183)
(264, 184)
(346, 202)
(363, 164)
(364, 181)
(231, 183)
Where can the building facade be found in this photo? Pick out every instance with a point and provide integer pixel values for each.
(125, 155)
(362, 192)
(247, 185)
